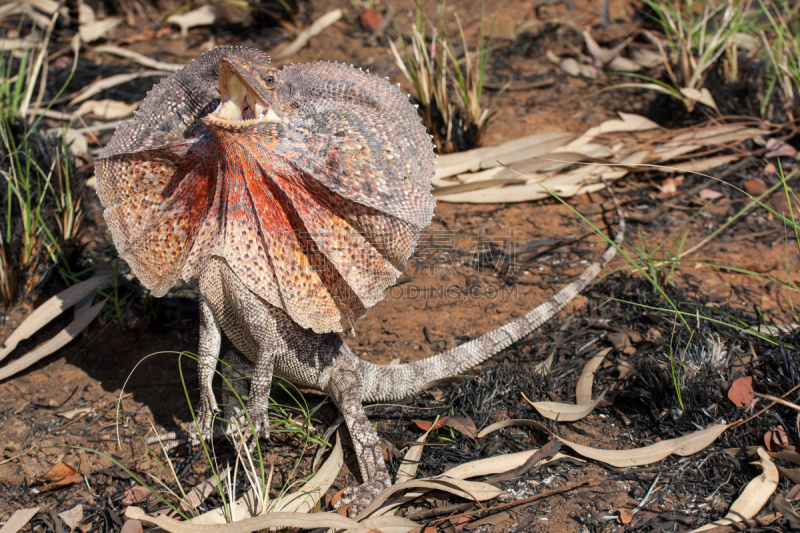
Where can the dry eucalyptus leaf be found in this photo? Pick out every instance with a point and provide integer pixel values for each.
(740, 390)
(625, 516)
(471, 490)
(583, 388)
(49, 310)
(623, 64)
(112, 81)
(787, 510)
(615, 145)
(571, 66)
(512, 422)
(201, 491)
(72, 413)
(314, 29)
(755, 495)
(428, 425)
(90, 28)
(83, 317)
(135, 494)
(710, 194)
(203, 16)
(106, 109)
(566, 412)
(77, 143)
(386, 524)
(755, 187)
(408, 468)
(543, 367)
(73, 517)
(19, 519)
(306, 498)
(97, 29)
(683, 446)
(498, 464)
(463, 425)
(60, 475)
(703, 96)
(46, 6)
(131, 526)
(269, 520)
(646, 58)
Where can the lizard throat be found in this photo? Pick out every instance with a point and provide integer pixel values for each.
(240, 105)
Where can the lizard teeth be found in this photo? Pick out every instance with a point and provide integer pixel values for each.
(241, 104)
(228, 110)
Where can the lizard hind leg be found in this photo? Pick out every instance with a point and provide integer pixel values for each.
(345, 388)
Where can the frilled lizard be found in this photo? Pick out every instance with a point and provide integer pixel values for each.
(296, 196)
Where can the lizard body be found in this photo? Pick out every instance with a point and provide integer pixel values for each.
(296, 196)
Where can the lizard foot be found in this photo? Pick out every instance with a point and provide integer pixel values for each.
(362, 495)
(203, 430)
(238, 388)
(171, 439)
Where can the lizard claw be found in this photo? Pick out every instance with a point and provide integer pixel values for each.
(359, 497)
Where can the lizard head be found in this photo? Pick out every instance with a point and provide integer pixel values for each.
(247, 93)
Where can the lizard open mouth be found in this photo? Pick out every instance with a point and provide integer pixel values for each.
(239, 103)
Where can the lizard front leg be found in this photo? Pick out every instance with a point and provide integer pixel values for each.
(209, 346)
(345, 388)
(236, 369)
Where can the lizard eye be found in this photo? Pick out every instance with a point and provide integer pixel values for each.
(270, 81)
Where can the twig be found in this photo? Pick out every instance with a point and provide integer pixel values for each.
(761, 412)
(565, 488)
(775, 400)
(139, 58)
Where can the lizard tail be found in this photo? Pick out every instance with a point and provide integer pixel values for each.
(392, 382)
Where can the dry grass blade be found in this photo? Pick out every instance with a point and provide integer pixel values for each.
(26, 101)
(83, 317)
(683, 446)
(139, 58)
(320, 24)
(50, 310)
(754, 496)
(20, 8)
(112, 81)
(303, 501)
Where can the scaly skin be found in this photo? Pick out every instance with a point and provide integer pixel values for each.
(296, 196)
